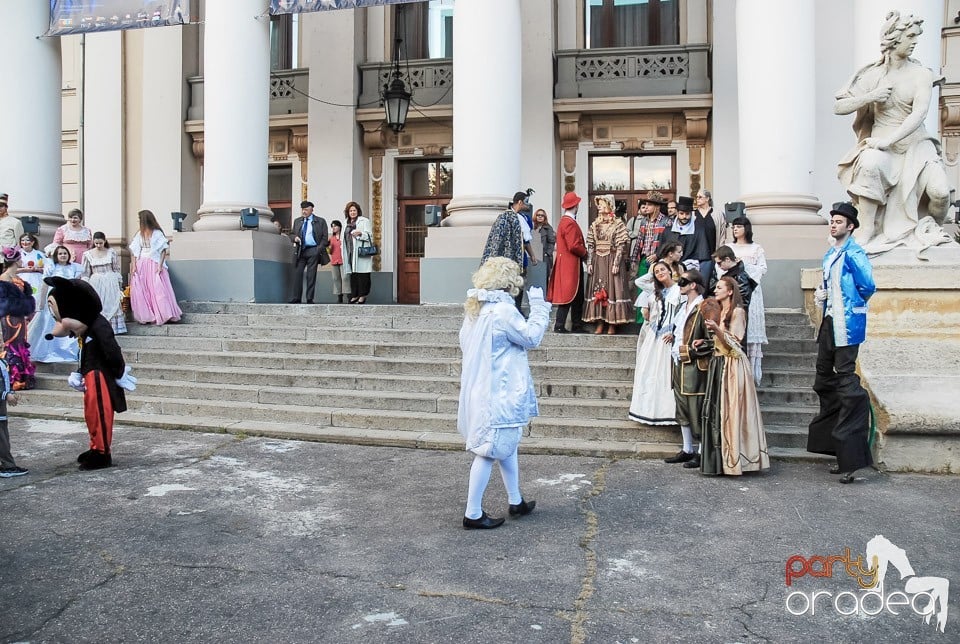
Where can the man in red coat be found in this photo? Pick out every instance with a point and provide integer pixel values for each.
(566, 280)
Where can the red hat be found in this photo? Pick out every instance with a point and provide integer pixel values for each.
(570, 201)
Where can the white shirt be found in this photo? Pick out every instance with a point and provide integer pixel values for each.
(679, 321)
(525, 229)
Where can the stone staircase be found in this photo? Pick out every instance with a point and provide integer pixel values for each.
(389, 375)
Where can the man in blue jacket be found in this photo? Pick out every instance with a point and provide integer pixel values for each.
(842, 427)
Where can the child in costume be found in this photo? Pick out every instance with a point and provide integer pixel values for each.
(497, 398)
(103, 375)
(8, 467)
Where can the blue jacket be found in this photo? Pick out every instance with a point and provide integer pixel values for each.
(848, 279)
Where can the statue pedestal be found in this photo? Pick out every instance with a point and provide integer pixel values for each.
(910, 362)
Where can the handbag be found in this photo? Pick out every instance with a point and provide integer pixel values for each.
(368, 250)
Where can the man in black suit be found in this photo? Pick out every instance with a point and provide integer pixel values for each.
(309, 234)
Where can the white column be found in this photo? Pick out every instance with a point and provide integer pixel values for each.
(776, 92)
(30, 114)
(105, 119)
(486, 109)
(868, 19)
(538, 150)
(236, 113)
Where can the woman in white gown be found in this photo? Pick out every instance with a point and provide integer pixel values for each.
(101, 268)
(57, 349)
(755, 263)
(653, 402)
(31, 265)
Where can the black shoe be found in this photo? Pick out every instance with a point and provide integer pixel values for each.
(680, 457)
(834, 469)
(693, 463)
(10, 472)
(96, 461)
(85, 456)
(847, 478)
(309, 301)
(522, 509)
(339, 299)
(295, 300)
(578, 329)
(485, 522)
(559, 329)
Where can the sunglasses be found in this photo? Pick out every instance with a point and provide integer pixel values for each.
(683, 281)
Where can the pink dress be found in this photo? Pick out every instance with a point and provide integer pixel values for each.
(151, 295)
(76, 241)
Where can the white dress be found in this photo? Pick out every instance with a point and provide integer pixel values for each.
(755, 263)
(57, 349)
(653, 402)
(103, 274)
(33, 259)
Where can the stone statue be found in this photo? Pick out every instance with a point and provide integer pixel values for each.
(895, 174)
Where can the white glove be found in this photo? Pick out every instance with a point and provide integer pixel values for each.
(127, 381)
(75, 380)
(535, 294)
(820, 295)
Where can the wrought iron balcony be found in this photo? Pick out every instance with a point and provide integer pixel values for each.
(633, 71)
(288, 93)
(431, 81)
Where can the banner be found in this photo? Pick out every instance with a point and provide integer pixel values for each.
(302, 6)
(88, 16)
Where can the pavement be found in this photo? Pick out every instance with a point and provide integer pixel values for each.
(223, 538)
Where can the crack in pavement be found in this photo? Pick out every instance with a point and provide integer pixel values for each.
(116, 572)
(485, 600)
(578, 634)
(749, 615)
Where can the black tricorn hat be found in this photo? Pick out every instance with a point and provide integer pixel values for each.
(848, 210)
(685, 204)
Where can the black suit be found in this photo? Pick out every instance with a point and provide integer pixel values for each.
(308, 257)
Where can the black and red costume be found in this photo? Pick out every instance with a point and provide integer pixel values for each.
(78, 309)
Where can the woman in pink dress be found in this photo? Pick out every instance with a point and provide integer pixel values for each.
(151, 295)
(73, 235)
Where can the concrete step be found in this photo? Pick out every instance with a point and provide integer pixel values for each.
(788, 361)
(774, 378)
(788, 416)
(426, 367)
(145, 349)
(263, 321)
(390, 437)
(787, 396)
(346, 311)
(782, 345)
(790, 331)
(786, 316)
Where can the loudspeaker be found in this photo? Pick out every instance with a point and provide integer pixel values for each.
(249, 219)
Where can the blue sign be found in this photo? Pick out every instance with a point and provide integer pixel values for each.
(302, 6)
(87, 16)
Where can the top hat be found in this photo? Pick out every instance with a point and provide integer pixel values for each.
(570, 201)
(848, 210)
(685, 204)
(655, 197)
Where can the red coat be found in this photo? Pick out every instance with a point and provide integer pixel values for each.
(571, 249)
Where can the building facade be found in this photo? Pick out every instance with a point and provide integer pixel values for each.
(245, 110)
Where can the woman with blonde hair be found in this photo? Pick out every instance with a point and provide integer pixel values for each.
(151, 295)
(608, 285)
(497, 398)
